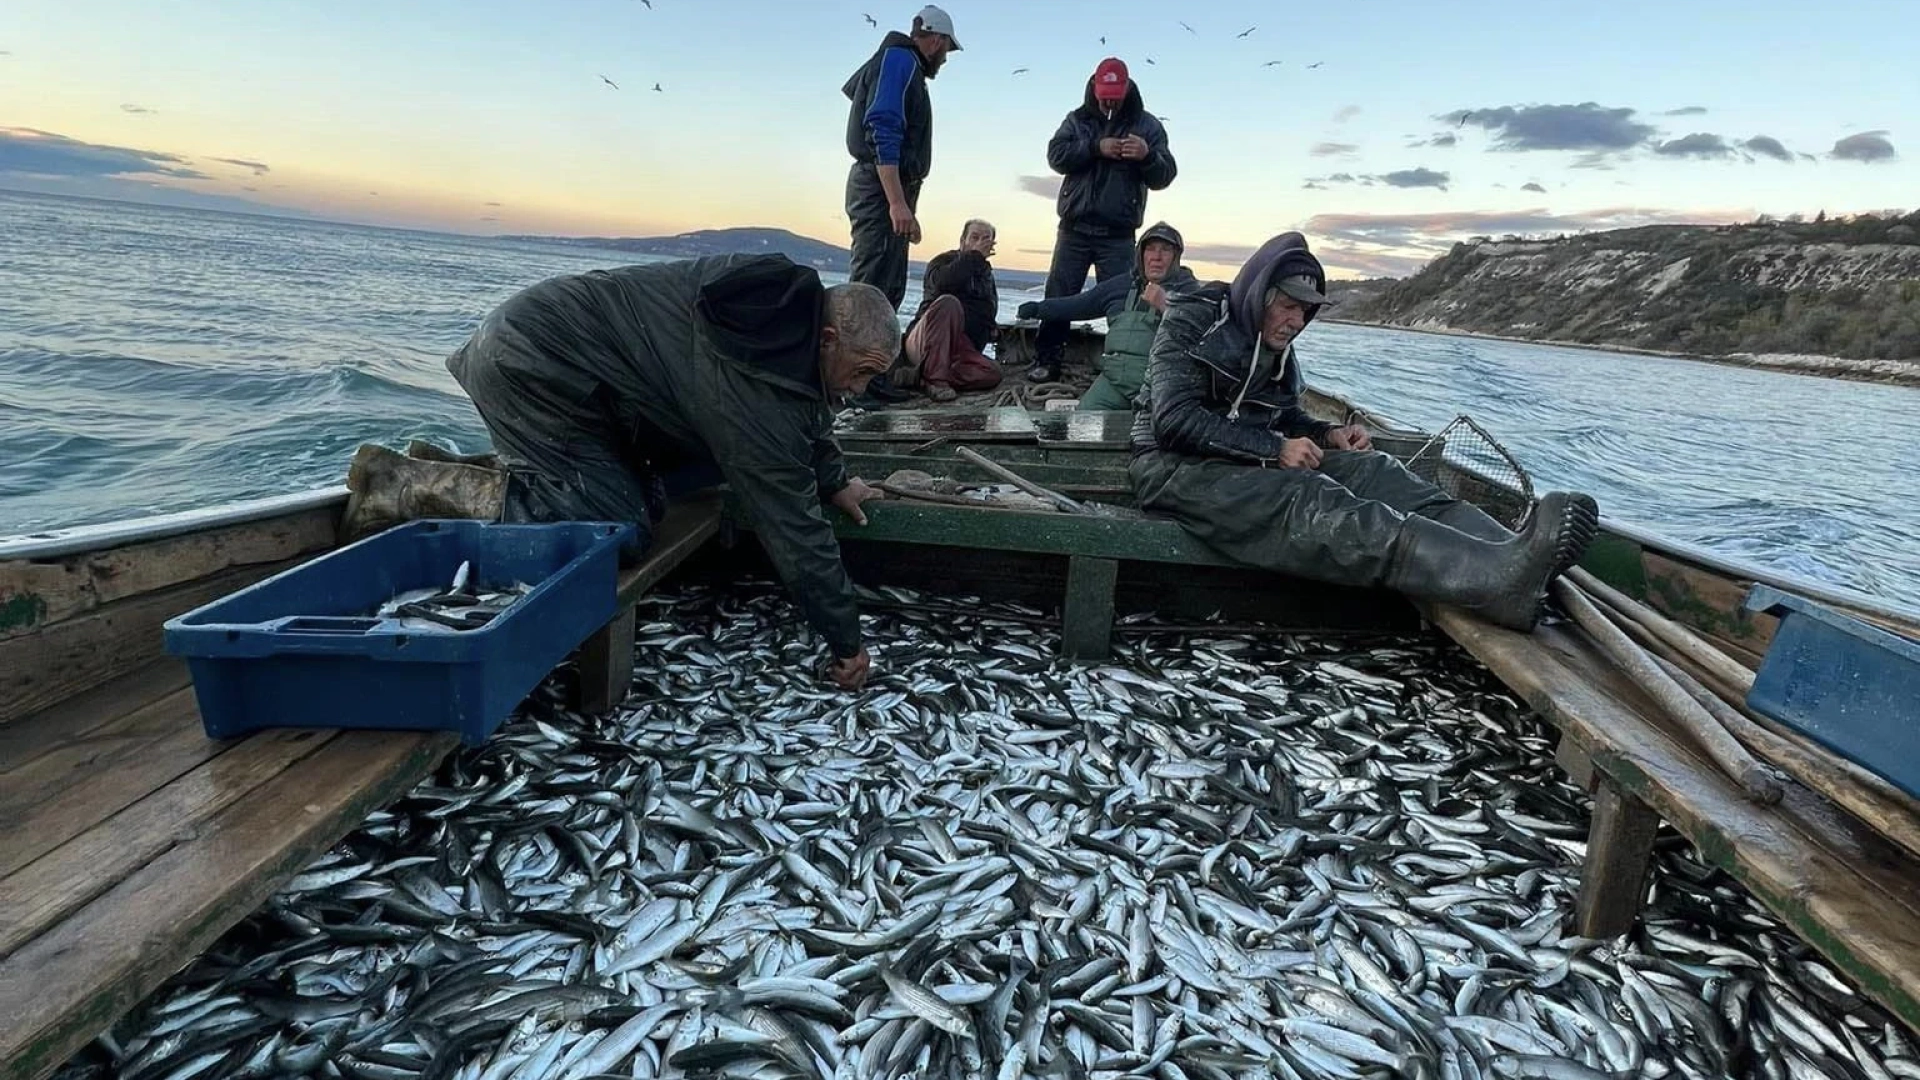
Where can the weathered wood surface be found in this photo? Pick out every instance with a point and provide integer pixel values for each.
(1141, 539)
(1847, 891)
(65, 658)
(1619, 851)
(62, 987)
(1086, 617)
(606, 658)
(35, 594)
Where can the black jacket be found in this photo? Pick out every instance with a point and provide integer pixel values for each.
(916, 109)
(967, 276)
(1212, 389)
(718, 358)
(1104, 195)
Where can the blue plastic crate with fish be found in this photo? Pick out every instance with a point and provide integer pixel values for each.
(433, 625)
(1842, 682)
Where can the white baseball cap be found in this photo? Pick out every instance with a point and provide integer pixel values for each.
(935, 21)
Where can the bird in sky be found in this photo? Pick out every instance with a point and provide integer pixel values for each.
(1316, 63)
(869, 19)
(1103, 39)
(1150, 61)
(1187, 28)
(1272, 63)
(1019, 71)
(1245, 32)
(609, 82)
(1464, 114)
(657, 89)
(649, 4)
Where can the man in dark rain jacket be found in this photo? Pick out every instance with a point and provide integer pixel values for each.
(1222, 445)
(606, 391)
(1110, 152)
(1132, 307)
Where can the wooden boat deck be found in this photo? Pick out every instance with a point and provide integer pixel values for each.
(132, 841)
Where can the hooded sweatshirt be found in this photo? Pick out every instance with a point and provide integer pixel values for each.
(1100, 195)
(1214, 389)
(1109, 297)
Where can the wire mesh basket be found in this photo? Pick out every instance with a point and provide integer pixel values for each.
(1467, 462)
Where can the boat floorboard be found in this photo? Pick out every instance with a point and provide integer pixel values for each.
(1845, 889)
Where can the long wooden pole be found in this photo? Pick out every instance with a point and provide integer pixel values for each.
(1071, 506)
(1725, 751)
(1723, 667)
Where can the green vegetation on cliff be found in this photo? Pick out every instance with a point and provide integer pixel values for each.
(1842, 288)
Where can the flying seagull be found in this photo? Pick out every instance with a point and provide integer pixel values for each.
(1019, 71)
(1316, 63)
(649, 4)
(1150, 61)
(657, 90)
(1245, 32)
(1464, 113)
(1271, 63)
(1187, 28)
(1103, 39)
(609, 82)
(869, 19)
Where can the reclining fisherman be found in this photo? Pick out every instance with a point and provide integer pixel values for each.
(607, 391)
(958, 318)
(1132, 306)
(1222, 445)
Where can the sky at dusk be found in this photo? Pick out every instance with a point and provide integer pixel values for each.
(1422, 123)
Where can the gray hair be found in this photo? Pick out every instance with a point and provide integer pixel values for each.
(971, 222)
(865, 320)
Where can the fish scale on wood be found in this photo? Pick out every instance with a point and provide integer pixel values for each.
(1210, 857)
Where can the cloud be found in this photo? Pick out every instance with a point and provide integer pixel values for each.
(1531, 186)
(1686, 110)
(1333, 149)
(27, 152)
(1346, 113)
(138, 110)
(490, 204)
(1435, 230)
(1415, 178)
(1700, 144)
(1768, 146)
(259, 167)
(1443, 140)
(1371, 264)
(1586, 126)
(1047, 187)
(1867, 146)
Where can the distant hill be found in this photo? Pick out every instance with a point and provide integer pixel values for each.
(822, 256)
(1831, 288)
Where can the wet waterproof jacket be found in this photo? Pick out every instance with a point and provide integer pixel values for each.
(1112, 296)
(966, 276)
(717, 358)
(1100, 195)
(1213, 389)
(890, 113)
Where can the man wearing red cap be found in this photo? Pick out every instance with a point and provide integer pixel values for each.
(1111, 152)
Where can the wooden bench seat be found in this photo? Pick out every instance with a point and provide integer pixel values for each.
(1843, 888)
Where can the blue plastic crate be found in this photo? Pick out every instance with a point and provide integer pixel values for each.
(1844, 683)
(299, 650)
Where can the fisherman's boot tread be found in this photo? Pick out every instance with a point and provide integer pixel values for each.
(1502, 582)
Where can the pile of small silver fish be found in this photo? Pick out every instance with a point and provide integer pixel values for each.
(462, 606)
(1213, 856)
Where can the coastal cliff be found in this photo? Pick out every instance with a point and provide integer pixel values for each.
(1836, 297)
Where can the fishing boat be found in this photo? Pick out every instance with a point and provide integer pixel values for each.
(133, 840)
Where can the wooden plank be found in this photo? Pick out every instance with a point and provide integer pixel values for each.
(1613, 884)
(1579, 767)
(75, 717)
(1086, 620)
(1011, 423)
(1710, 603)
(689, 523)
(606, 665)
(66, 658)
(35, 594)
(36, 896)
(64, 987)
(67, 791)
(1850, 894)
(1067, 479)
(1143, 539)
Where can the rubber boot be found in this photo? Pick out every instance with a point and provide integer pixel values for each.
(389, 488)
(426, 451)
(1471, 520)
(1504, 582)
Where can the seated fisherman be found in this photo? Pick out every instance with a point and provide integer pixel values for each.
(1221, 444)
(1132, 306)
(958, 318)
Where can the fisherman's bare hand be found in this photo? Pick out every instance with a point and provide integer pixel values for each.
(849, 498)
(1133, 148)
(1112, 148)
(1299, 454)
(851, 673)
(1351, 437)
(904, 223)
(1155, 295)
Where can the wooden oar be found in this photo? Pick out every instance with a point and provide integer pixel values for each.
(1723, 667)
(1721, 747)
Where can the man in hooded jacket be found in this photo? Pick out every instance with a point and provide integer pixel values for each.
(1132, 307)
(1222, 445)
(607, 391)
(1110, 152)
